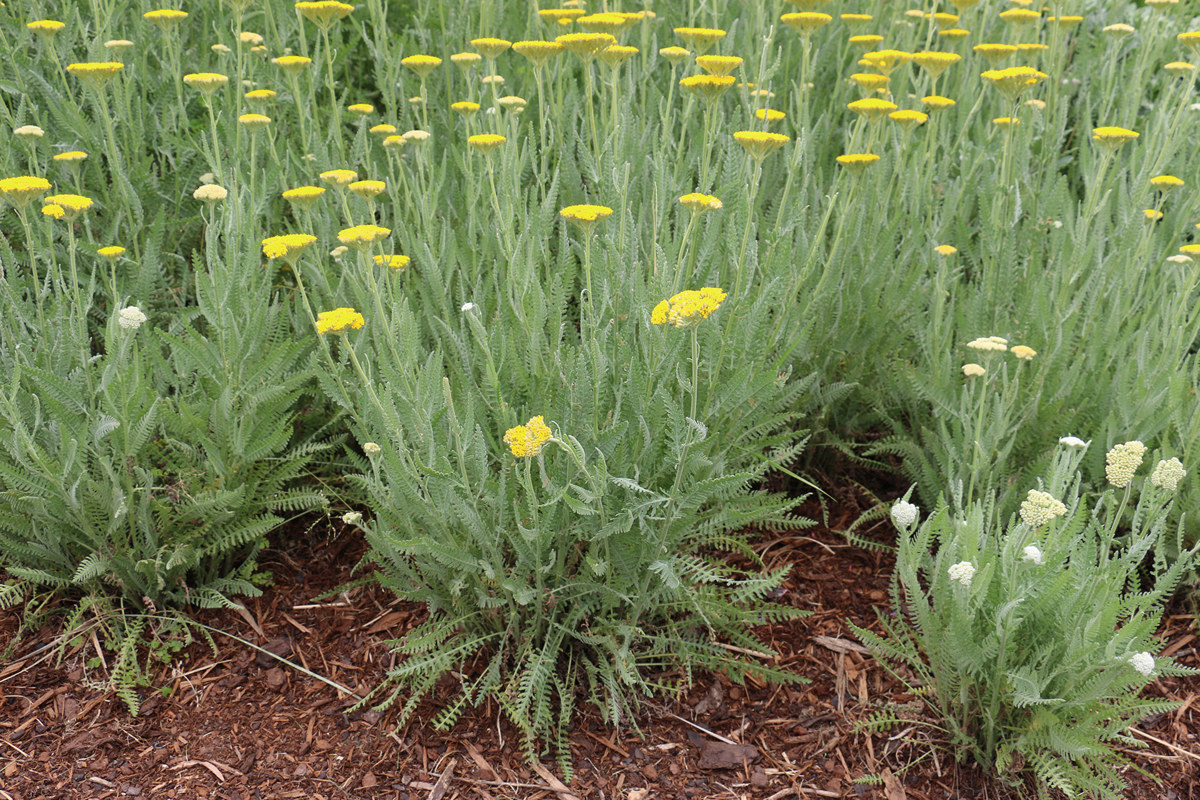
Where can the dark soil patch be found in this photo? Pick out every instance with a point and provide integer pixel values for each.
(241, 725)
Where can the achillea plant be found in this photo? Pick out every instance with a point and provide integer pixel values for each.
(1027, 636)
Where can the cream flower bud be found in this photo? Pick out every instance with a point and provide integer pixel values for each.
(1122, 461)
(130, 318)
(962, 572)
(371, 449)
(1034, 556)
(904, 513)
(1040, 508)
(1143, 662)
(1167, 474)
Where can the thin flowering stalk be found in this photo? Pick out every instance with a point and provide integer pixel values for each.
(335, 117)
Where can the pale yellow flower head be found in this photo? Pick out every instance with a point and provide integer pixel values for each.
(805, 22)
(973, 371)
(700, 39)
(254, 122)
(288, 246)
(708, 87)
(586, 46)
(339, 177)
(29, 131)
(369, 188)
(873, 108)
(1122, 462)
(292, 64)
(537, 52)
(945, 250)
(1023, 352)
(719, 65)
(165, 18)
(210, 193)
(490, 47)
(675, 55)
(206, 82)
(323, 13)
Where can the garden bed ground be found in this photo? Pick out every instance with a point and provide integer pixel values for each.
(241, 725)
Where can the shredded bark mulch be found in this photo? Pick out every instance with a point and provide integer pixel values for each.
(242, 724)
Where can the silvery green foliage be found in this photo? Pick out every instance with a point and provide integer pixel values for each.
(143, 463)
(1037, 659)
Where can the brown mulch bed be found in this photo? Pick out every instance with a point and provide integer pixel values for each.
(243, 725)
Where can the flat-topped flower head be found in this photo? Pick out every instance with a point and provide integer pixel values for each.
(1180, 68)
(603, 22)
(908, 119)
(394, 141)
(339, 177)
(943, 19)
(1191, 249)
(963, 5)
(945, 250)
(70, 157)
(973, 371)
(490, 47)
(340, 320)
(250, 37)
(873, 108)
(165, 18)
(866, 41)
(585, 46)
(361, 109)
(118, 46)
(362, 236)
(708, 87)
(699, 203)
(1122, 461)
(1152, 214)
(769, 115)
(383, 129)
(1023, 352)
(1012, 81)
(1065, 21)
(111, 252)
(1111, 137)
(616, 54)
(288, 246)
(392, 262)
(415, 136)
(805, 22)
(210, 193)
(904, 513)
(23, 189)
(935, 62)
(1020, 16)
(254, 122)
(1190, 40)
(53, 211)
(465, 61)
(513, 103)
(700, 39)
(206, 82)
(292, 65)
(1006, 123)
(527, 441)
(323, 13)
(72, 204)
(989, 344)
(368, 189)
(304, 196)
(422, 65)
(465, 107)
(492, 80)
(688, 308)
(675, 55)
(585, 215)
(870, 82)
(760, 144)
(45, 28)
(261, 97)
(95, 73)
(857, 163)
(29, 132)
(1040, 508)
(560, 16)
(486, 142)
(886, 61)
(719, 65)
(537, 52)
(935, 103)
(954, 33)
(996, 54)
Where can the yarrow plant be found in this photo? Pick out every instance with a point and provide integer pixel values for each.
(1026, 636)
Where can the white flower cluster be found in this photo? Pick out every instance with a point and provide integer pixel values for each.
(130, 318)
(962, 572)
(1143, 662)
(352, 517)
(1073, 441)
(1122, 461)
(1040, 507)
(904, 514)
(1167, 474)
(1033, 555)
(371, 449)
(989, 344)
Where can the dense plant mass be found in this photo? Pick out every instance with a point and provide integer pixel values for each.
(539, 295)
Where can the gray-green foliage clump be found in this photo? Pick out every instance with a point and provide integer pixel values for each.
(1031, 637)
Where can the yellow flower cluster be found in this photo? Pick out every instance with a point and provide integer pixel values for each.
(709, 87)
(527, 441)
(1013, 80)
(288, 246)
(490, 47)
(699, 203)
(719, 65)
(362, 236)
(95, 73)
(805, 22)
(392, 262)
(1111, 137)
(760, 144)
(486, 142)
(688, 308)
(323, 13)
(585, 215)
(21, 190)
(421, 64)
(339, 320)
(538, 52)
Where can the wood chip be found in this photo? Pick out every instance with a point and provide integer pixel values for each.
(443, 782)
(840, 645)
(553, 782)
(892, 788)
